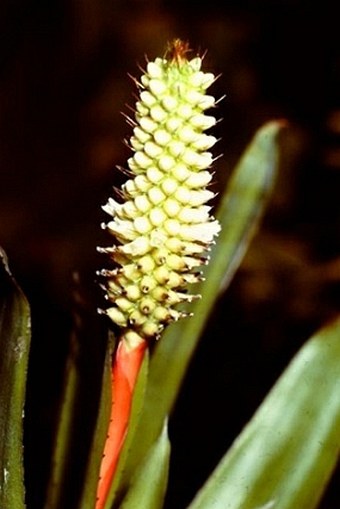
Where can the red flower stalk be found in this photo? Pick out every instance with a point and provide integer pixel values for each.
(125, 369)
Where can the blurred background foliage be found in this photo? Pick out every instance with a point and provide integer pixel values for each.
(63, 84)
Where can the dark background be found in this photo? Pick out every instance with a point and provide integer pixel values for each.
(63, 84)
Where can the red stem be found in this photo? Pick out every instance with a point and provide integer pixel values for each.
(125, 369)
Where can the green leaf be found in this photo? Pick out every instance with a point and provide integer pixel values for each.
(64, 432)
(84, 405)
(15, 336)
(148, 485)
(286, 454)
(240, 210)
(87, 498)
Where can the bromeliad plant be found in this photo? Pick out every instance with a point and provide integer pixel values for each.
(163, 228)
(163, 231)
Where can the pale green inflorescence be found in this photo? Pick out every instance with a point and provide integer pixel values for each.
(163, 227)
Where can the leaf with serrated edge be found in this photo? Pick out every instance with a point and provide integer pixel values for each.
(87, 498)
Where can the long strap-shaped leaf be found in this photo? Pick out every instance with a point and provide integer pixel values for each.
(241, 208)
(14, 351)
(88, 362)
(87, 499)
(286, 454)
(148, 485)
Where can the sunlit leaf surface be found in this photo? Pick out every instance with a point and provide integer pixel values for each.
(149, 483)
(286, 454)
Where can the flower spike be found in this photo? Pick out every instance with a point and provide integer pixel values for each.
(161, 224)
(162, 227)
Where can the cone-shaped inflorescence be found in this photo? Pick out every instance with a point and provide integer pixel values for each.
(162, 225)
